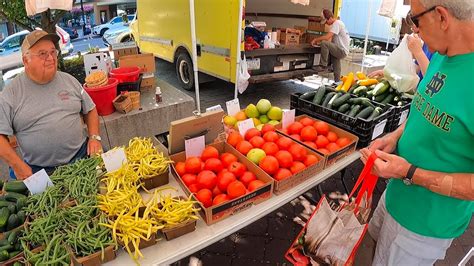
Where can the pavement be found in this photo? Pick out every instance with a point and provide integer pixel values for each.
(265, 241)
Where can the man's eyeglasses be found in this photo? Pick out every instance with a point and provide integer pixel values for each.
(45, 54)
(414, 20)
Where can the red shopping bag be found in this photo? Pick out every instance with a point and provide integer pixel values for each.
(332, 237)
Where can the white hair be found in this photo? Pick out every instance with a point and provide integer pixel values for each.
(461, 9)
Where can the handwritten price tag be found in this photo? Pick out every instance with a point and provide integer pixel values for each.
(245, 125)
(194, 146)
(288, 117)
(379, 128)
(214, 108)
(38, 182)
(114, 159)
(233, 107)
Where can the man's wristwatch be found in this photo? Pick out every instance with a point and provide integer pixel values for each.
(95, 137)
(408, 179)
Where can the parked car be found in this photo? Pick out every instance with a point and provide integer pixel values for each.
(119, 35)
(112, 24)
(10, 48)
(72, 33)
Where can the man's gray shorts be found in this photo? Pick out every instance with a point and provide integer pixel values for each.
(398, 246)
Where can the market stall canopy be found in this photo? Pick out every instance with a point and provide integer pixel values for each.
(34, 7)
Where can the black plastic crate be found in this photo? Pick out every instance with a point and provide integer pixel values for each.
(130, 86)
(397, 113)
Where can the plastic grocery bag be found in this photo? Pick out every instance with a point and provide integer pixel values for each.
(400, 69)
(332, 237)
(243, 79)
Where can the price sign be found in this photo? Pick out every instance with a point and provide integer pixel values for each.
(288, 117)
(214, 108)
(245, 125)
(194, 146)
(38, 182)
(233, 107)
(379, 128)
(114, 159)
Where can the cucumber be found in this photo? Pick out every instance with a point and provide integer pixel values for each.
(354, 110)
(361, 101)
(365, 112)
(344, 108)
(308, 95)
(318, 97)
(4, 214)
(7, 248)
(341, 100)
(337, 95)
(12, 254)
(352, 88)
(377, 111)
(13, 196)
(4, 255)
(360, 90)
(13, 222)
(327, 98)
(22, 216)
(381, 88)
(12, 208)
(4, 242)
(16, 186)
(4, 203)
(13, 237)
(388, 99)
(379, 98)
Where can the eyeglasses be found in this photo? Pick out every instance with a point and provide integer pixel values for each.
(45, 54)
(414, 20)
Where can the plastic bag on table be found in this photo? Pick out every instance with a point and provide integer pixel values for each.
(400, 69)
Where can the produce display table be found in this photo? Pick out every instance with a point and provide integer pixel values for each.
(167, 252)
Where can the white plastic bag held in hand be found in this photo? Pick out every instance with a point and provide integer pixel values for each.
(243, 79)
(400, 70)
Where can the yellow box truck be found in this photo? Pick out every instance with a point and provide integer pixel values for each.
(163, 28)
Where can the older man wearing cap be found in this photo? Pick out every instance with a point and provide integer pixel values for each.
(44, 108)
(335, 43)
(429, 200)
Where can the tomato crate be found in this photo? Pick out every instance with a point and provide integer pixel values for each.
(362, 128)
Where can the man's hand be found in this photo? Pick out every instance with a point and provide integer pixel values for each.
(94, 147)
(415, 45)
(386, 144)
(376, 74)
(22, 171)
(387, 165)
(314, 42)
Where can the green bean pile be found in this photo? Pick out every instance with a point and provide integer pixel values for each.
(44, 203)
(54, 253)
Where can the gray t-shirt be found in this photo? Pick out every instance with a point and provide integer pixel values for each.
(46, 118)
(341, 36)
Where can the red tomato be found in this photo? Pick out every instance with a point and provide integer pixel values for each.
(332, 147)
(284, 143)
(180, 168)
(194, 188)
(270, 148)
(311, 144)
(252, 133)
(297, 167)
(308, 133)
(295, 128)
(244, 147)
(216, 191)
(342, 142)
(285, 159)
(321, 127)
(193, 165)
(271, 136)
(257, 142)
(205, 197)
(322, 141)
(324, 151)
(189, 179)
(306, 121)
(296, 136)
(236, 189)
(219, 199)
(207, 179)
(224, 179)
(332, 137)
(227, 159)
(267, 127)
(282, 173)
(209, 152)
(213, 164)
(298, 152)
(234, 138)
(237, 169)
(310, 160)
(247, 177)
(255, 185)
(269, 164)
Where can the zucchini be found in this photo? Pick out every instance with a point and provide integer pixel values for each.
(341, 100)
(388, 99)
(377, 111)
(13, 222)
(365, 112)
(4, 255)
(361, 101)
(344, 108)
(337, 95)
(4, 214)
(327, 98)
(318, 97)
(354, 110)
(308, 95)
(16, 186)
(13, 196)
(381, 88)
(379, 98)
(4, 203)
(352, 88)
(360, 90)
(13, 254)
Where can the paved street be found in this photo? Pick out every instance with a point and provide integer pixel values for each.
(83, 44)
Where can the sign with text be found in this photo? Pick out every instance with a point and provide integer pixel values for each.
(114, 159)
(38, 182)
(233, 107)
(245, 125)
(194, 146)
(288, 117)
(214, 108)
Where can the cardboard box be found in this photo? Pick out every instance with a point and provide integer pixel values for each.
(148, 83)
(97, 61)
(179, 230)
(290, 36)
(216, 213)
(123, 49)
(333, 157)
(94, 259)
(314, 24)
(146, 62)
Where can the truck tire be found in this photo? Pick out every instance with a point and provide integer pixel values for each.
(128, 38)
(184, 71)
(102, 31)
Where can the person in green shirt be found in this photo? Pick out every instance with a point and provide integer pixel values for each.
(429, 200)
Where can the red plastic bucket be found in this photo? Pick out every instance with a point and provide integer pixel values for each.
(125, 74)
(103, 96)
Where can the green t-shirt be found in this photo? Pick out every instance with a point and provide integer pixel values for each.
(438, 136)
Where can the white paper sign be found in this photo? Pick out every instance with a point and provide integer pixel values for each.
(114, 159)
(403, 117)
(233, 106)
(245, 125)
(38, 182)
(378, 129)
(214, 108)
(288, 117)
(194, 146)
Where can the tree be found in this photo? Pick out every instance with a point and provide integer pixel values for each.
(15, 11)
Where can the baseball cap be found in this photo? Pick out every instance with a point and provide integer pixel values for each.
(35, 36)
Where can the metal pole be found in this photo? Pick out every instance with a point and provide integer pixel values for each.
(194, 51)
(239, 41)
(83, 19)
(367, 30)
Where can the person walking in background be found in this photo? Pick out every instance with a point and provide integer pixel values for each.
(335, 43)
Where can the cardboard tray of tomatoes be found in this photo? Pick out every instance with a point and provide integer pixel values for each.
(220, 167)
(281, 158)
(317, 135)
